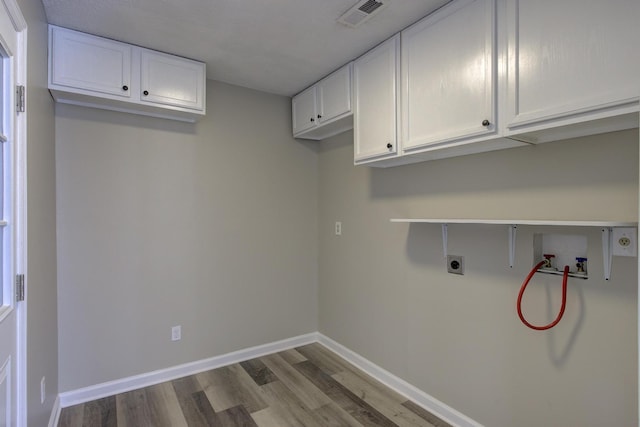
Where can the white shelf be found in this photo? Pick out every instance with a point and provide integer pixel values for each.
(607, 228)
(516, 222)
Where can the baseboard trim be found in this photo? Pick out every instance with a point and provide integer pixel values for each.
(98, 391)
(55, 413)
(430, 403)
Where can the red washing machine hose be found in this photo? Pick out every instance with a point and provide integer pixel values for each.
(565, 276)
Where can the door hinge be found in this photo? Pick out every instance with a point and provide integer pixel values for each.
(20, 99)
(19, 287)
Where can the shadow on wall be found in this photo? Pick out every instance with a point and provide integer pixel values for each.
(124, 119)
(559, 353)
(203, 127)
(419, 253)
(569, 164)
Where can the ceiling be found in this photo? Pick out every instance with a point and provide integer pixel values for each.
(276, 46)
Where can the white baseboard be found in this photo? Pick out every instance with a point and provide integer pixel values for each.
(110, 388)
(55, 413)
(98, 391)
(430, 403)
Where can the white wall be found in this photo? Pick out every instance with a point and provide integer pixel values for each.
(211, 226)
(42, 331)
(384, 291)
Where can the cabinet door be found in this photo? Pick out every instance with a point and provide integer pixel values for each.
(375, 79)
(448, 67)
(571, 60)
(304, 110)
(91, 63)
(334, 95)
(171, 80)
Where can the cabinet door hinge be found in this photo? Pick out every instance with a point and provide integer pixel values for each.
(20, 99)
(19, 287)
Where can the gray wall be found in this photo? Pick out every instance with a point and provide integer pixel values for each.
(212, 226)
(384, 291)
(215, 226)
(42, 332)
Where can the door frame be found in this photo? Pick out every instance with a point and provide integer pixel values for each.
(19, 198)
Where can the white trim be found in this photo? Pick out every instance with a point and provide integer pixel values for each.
(110, 388)
(19, 206)
(430, 403)
(5, 311)
(6, 383)
(638, 308)
(20, 229)
(17, 19)
(55, 413)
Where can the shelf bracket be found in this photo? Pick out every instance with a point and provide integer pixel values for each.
(512, 244)
(607, 250)
(445, 238)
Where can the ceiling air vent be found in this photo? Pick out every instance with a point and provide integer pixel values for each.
(361, 12)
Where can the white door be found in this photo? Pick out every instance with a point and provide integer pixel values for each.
(375, 82)
(171, 80)
(11, 43)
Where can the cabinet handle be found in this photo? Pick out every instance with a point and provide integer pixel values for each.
(389, 146)
(125, 88)
(312, 119)
(319, 116)
(486, 123)
(145, 93)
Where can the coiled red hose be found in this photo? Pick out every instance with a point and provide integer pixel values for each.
(565, 276)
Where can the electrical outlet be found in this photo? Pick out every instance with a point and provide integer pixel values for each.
(455, 264)
(43, 389)
(624, 241)
(338, 228)
(176, 333)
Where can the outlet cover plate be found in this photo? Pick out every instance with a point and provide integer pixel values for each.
(43, 390)
(625, 241)
(455, 264)
(176, 333)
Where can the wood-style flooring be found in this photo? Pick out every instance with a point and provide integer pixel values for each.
(309, 386)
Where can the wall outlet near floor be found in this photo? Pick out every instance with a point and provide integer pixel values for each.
(455, 264)
(624, 241)
(176, 333)
(338, 228)
(43, 389)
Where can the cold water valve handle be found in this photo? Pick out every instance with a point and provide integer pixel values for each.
(544, 264)
(581, 266)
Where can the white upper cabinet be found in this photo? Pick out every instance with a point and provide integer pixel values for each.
(169, 80)
(449, 90)
(86, 62)
(334, 95)
(324, 109)
(481, 75)
(95, 72)
(304, 110)
(376, 83)
(572, 62)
